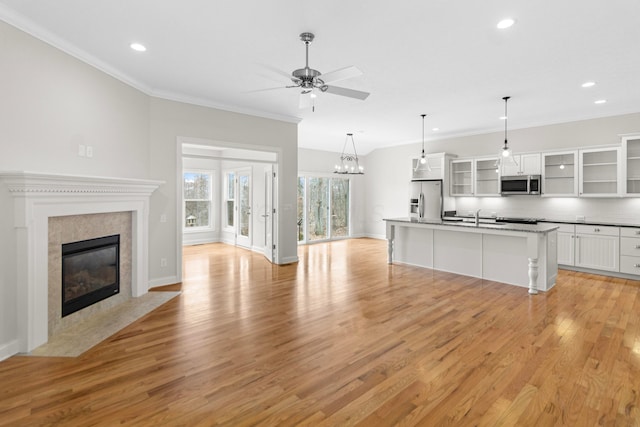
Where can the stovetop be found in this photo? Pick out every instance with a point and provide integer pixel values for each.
(518, 220)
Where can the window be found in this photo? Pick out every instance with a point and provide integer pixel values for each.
(197, 199)
(230, 197)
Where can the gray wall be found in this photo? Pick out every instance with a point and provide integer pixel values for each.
(52, 102)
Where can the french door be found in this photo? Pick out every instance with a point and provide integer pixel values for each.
(323, 208)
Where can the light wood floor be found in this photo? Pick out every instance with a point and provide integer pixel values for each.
(342, 338)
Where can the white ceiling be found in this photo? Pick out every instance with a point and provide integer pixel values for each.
(443, 58)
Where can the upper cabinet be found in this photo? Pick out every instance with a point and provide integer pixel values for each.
(434, 167)
(631, 164)
(600, 172)
(560, 174)
(461, 177)
(522, 164)
(487, 178)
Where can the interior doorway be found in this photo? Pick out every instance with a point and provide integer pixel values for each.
(244, 208)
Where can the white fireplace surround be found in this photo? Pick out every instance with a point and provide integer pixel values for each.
(39, 196)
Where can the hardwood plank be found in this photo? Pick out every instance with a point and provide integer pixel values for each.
(342, 338)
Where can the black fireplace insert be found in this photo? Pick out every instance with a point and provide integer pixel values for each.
(90, 272)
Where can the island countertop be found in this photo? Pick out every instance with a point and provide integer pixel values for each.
(483, 225)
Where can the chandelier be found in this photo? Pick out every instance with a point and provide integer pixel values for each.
(349, 163)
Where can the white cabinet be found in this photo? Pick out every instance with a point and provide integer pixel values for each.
(566, 243)
(487, 178)
(631, 164)
(597, 247)
(600, 172)
(560, 174)
(522, 164)
(433, 168)
(630, 250)
(462, 177)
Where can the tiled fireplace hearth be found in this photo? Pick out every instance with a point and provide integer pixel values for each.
(50, 210)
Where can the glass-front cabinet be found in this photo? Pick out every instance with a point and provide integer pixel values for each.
(487, 177)
(600, 172)
(461, 177)
(560, 174)
(631, 163)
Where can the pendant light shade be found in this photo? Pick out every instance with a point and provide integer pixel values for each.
(506, 152)
(423, 163)
(349, 163)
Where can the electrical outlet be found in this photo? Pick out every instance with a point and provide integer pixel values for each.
(163, 262)
(82, 150)
(89, 151)
(163, 218)
(579, 217)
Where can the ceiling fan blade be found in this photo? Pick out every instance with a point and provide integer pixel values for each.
(266, 89)
(305, 99)
(342, 74)
(351, 93)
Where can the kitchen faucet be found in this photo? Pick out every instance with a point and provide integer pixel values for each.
(477, 217)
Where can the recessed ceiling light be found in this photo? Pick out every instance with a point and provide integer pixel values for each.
(138, 47)
(588, 84)
(503, 117)
(506, 23)
(600, 101)
(435, 129)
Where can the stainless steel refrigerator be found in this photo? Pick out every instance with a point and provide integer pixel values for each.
(426, 199)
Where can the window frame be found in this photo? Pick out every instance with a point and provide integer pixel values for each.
(226, 199)
(211, 225)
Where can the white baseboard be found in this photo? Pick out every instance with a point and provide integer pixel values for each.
(8, 349)
(288, 260)
(163, 281)
(376, 236)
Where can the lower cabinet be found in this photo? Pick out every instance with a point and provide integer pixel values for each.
(566, 244)
(630, 250)
(597, 247)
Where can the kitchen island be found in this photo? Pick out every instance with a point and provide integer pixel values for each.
(517, 254)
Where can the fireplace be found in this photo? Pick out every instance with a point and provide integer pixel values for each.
(90, 272)
(49, 210)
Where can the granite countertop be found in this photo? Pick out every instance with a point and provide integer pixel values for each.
(601, 223)
(489, 224)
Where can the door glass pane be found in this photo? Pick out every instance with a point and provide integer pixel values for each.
(339, 207)
(245, 207)
(300, 209)
(318, 189)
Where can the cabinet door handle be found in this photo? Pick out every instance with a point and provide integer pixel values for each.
(596, 230)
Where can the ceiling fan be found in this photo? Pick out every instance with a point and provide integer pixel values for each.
(309, 79)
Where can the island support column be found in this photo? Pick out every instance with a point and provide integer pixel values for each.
(391, 235)
(533, 243)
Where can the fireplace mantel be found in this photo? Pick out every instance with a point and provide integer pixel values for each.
(39, 196)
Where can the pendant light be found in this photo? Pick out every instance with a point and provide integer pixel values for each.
(506, 152)
(423, 163)
(349, 163)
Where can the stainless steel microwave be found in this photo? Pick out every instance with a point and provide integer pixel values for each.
(520, 184)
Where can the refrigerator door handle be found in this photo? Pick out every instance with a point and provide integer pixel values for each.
(421, 206)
